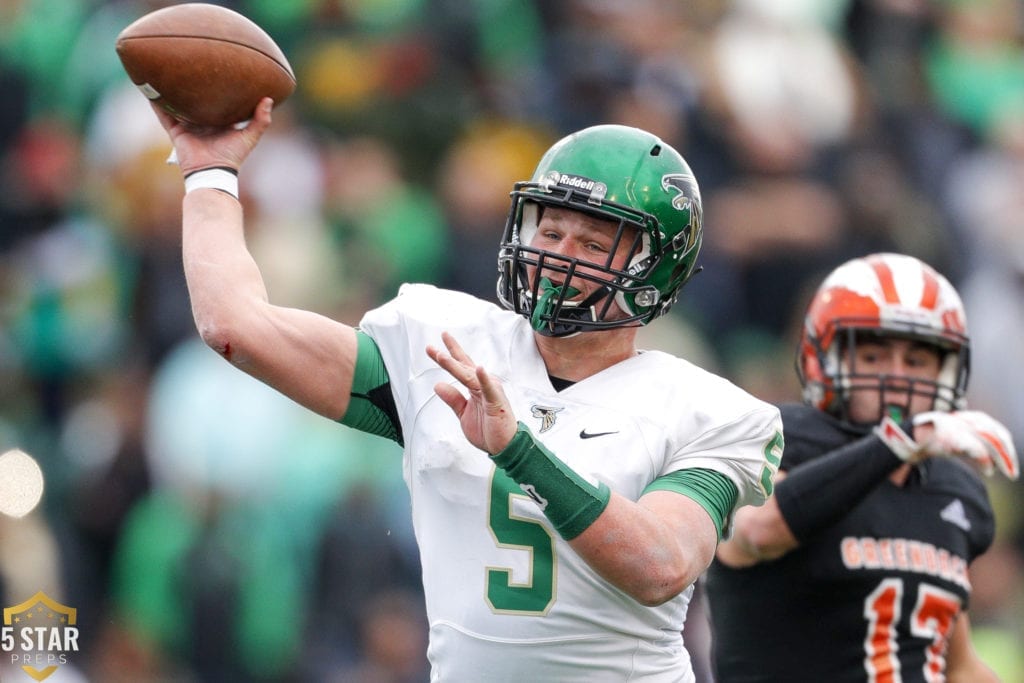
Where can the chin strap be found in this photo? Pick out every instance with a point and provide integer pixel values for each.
(544, 305)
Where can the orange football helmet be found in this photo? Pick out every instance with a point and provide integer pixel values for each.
(888, 295)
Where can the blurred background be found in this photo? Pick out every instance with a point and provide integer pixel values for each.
(207, 529)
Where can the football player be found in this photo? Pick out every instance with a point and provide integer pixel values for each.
(567, 488)
(857, 568)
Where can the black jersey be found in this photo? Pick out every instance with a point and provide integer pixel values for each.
(871, 598)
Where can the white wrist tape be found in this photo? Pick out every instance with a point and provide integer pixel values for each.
(219, 178)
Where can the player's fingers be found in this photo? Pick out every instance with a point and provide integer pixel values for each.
(998, 441)
(432, 353)
(166, 120)
(451, 396)
(969, 444)
(981, 457)
(1012, 468)
(494, 395)
(994, 438)
(1002, 454)
(461, 372)
(261, 118)
(958, 441)
(456, 349)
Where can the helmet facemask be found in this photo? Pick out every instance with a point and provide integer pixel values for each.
(838, 363)
(539, 284)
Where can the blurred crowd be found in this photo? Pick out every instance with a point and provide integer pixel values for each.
(209, 530)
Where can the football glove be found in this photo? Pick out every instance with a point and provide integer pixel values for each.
(968, 433)
(973, 434)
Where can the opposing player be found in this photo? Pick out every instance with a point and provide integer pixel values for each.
(857, 569)
(567, 488)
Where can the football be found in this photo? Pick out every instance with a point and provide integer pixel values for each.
(203, 63)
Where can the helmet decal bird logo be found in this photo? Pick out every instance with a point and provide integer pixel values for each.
(687, 196)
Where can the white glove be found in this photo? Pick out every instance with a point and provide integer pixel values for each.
(898, 441)
(973, 434)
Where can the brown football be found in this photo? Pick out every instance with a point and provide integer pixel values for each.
(203, 63)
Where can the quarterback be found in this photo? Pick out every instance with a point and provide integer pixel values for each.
(567, 488)
(857, 570)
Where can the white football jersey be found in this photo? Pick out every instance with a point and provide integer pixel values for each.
(507, 598)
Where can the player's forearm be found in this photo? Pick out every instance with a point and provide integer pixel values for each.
(963, 665)
(979, 672)
(799, 509)
(306, 356)
(224, 282)
(817, 494)
(758, 534)
(633, 547)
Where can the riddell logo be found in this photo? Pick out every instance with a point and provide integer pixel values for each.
(576, 181)
(38, 634)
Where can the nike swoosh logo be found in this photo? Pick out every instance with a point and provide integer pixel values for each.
(584, 434)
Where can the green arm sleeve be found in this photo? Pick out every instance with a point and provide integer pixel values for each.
(714, 491)
(567, 499)
(372, 406)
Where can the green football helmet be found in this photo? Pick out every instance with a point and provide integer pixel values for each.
(614, 173)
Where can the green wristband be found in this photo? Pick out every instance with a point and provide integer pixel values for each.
(567, 499)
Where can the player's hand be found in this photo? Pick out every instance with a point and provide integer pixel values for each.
(197, 147)
(969, 433)
(486, 415)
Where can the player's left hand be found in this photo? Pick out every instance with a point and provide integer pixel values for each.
(973, 434)
(486, 415)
